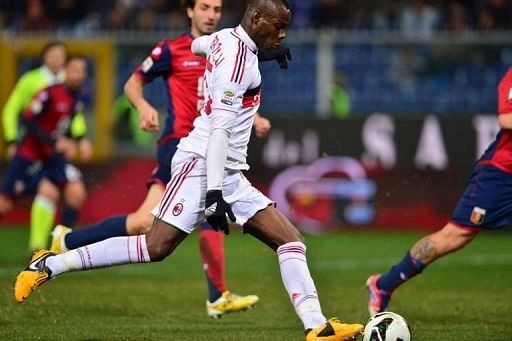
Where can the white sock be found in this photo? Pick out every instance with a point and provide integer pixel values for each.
(107, 253)
(299, 284)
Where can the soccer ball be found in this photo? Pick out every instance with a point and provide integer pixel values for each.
(387, 326)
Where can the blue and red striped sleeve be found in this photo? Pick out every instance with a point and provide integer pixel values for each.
(157, 64)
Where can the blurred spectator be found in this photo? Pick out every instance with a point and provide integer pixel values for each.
(177, 20)
(501, 12)
(116, 19)
(485, 20)
(419, 19)
(302, 16)
(404, 65)
(329, 14)
(35, 18)
(456, 17)
(146, 20)
(66, 13)
(386, 16)
(360, 18)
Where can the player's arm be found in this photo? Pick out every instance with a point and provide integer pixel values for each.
(505, 101)
(262, 125)
(505, 121)
(226, 102)
(78, 132)
(200, 45)
(12, 110)
(37, 107)
(157, 64)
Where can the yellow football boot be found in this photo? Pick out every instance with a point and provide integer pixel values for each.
(58, 245)
(230, 303)
(334, 330)
(33, 276)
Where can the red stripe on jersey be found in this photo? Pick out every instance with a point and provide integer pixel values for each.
(505, 94)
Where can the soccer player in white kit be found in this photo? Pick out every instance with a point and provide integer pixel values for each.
(207, 179)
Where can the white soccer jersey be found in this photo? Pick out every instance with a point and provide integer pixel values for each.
(231, 91)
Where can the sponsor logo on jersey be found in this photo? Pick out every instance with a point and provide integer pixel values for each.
(478, 215)
(178, 208)
(510, 95)
(62, 107)
(147, 64)
(228, 97)
(187, 63)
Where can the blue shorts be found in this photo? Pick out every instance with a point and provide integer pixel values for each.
(164, 153)
(23, 175)
(487, 200)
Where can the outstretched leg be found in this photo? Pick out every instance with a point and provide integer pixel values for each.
(138, 222)
(275, 230)
(153, 247)
(431, 247)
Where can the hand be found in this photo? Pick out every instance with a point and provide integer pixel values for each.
(280, 54)
(148, 118)
(67, 147)
(86, 150)
(261, 126)
(216, 209)
(11, 150)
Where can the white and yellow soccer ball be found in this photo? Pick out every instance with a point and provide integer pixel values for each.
(387, 326)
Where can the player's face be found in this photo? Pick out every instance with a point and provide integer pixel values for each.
(205, 16)
(269, 27)
(76, 72)
(55, 58)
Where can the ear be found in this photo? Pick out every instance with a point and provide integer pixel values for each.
(190, 12)
(257, 17)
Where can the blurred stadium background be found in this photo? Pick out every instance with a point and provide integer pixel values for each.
(376, 124)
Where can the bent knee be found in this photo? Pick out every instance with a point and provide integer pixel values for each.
(139, 223)
(75, 194)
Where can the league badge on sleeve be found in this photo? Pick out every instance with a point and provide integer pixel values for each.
(228, 97)
(147, 64)
(478, 215)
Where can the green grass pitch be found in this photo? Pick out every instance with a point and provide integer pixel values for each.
(465, 296)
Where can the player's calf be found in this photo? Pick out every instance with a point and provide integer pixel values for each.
(162, 240)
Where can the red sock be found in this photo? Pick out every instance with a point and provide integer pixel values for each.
(211, 244)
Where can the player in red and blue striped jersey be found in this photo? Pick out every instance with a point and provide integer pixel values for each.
(486, 204)
(41, 162)
(182, 73)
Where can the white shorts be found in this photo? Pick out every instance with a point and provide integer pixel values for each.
(183, 202)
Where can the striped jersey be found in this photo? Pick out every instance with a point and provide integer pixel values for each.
(499, 153)
(182, 73)
(232, 82)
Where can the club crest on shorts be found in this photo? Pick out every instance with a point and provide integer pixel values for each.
(178, 208)
(478, 215)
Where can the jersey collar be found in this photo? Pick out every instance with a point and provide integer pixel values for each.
(240, 33)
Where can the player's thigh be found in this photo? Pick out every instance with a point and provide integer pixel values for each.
(273, 228)
(487, 201)
(48, 190)
(453, 237)
(182, 204)
(75, 193)
(22, 177)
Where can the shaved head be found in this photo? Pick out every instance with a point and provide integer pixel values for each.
(266, 20)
